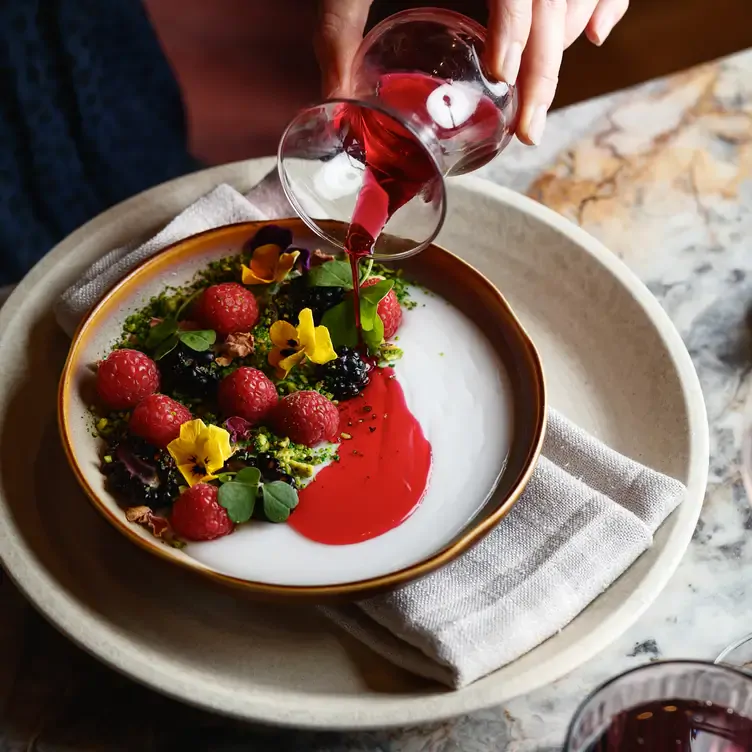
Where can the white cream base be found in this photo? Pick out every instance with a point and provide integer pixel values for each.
(457, 388)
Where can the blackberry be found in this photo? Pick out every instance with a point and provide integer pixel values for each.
(298, 296)
(346, 376)
(170, 479)
(266, 464)
(189, 372)
(129, 488)
(142, 474)
(320, 300)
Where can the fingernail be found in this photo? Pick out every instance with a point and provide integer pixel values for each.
(510, 66)
(537, 125)
(603, 27)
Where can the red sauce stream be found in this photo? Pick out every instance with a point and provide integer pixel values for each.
(382, 474)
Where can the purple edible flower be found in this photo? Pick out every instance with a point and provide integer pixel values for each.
(270, 235)
(238, 428)
(303, 262)
(137, 467)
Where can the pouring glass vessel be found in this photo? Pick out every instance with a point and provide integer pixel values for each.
(421, 107)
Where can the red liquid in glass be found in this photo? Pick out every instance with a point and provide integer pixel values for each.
(398, 168)
(676, 726)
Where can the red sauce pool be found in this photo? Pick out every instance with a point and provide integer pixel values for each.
(382, 474)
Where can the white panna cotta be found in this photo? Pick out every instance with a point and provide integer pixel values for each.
(457, 388)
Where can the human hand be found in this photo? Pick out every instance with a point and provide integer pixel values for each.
(526, 40)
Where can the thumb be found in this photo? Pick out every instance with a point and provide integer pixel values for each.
(338, 37)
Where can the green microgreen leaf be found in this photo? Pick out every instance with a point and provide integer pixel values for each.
(374, 337)
(161, 332)
(225, 477)
(186, 303)
(166, 346)
(365, 272)
(279, 500)
(370, 297)
(198, 340)
(249, 476)
(331, 274)
(340, 321)
(238, 499)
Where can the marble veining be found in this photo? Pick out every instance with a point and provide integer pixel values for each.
(662, 174)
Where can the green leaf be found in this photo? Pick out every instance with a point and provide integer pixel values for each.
(331, 274)
(186, 303)
(370, 297)
(238, 499)
(165, 347)
(374, 337)
(279, 500)
(225, 477)
(198, 340)
(162, 331)
(249, 476)
(340, 321)
(365, 272)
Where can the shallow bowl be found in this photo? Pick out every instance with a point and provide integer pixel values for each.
(436, 269)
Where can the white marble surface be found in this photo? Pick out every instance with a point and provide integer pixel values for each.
(663, 175)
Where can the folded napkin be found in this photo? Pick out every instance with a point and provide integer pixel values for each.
(222, 206)
(586, 515)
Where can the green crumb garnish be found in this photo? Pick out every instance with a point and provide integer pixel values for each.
(401, 285)
(389, 354)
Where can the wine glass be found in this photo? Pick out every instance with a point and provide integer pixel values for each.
(677, 706)
(421, 107)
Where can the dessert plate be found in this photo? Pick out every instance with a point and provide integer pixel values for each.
(614, 363)
(470, 375)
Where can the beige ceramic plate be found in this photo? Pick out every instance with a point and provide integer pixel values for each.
(614, 363)
(449, 519)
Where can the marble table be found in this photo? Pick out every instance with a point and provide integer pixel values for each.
(662, 174)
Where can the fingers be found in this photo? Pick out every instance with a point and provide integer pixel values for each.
(339, 34)
(540, 67)
(579, 13)
(508, 30)
(606, 16)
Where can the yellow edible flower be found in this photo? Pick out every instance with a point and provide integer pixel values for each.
(200, 451)
(292, 345)
(268, 264)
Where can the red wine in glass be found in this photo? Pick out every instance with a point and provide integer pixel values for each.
(676, 726)
(398, 167)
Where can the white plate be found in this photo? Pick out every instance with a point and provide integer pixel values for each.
(614, 363)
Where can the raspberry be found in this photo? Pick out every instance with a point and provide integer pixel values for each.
(125, 377)
(389, 310)
(247, 393)
(306, 418)
(157, 419)
(227, 308)
(197, 515)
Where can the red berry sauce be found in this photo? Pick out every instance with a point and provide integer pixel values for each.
(382, 474)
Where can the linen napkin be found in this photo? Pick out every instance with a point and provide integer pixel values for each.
(222, 206)
(586, 515)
